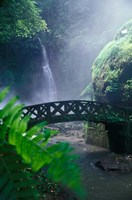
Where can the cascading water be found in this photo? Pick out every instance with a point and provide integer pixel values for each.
(49, 83)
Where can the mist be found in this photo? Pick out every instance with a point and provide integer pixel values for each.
(85, 28)
(92, 24)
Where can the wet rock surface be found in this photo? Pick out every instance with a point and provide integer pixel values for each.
(117, 163)
(73, 132)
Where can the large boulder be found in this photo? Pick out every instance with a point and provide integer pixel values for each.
(112, 69)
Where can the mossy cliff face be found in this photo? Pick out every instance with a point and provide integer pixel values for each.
(112, 69)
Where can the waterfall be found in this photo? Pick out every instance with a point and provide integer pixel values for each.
(50, 93)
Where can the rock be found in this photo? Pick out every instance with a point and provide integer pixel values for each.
(112, 69)
(118, 163)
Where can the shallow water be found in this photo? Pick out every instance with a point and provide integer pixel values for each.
(101, 185)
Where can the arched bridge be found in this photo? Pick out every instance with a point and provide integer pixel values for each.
(77, 110)
(117, 120)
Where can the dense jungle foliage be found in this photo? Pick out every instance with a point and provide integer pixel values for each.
(19, 20)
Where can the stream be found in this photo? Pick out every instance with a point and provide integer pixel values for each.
(100, 185)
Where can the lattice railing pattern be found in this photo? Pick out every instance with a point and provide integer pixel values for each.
(62, 111)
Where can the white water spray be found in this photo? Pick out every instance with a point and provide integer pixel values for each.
(49, 83)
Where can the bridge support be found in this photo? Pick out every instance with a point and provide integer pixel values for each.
(119, 138)
(95, 134)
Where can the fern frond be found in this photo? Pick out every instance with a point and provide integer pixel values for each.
(14, 182)
(3, 94)
(58, 158)
(32, 146)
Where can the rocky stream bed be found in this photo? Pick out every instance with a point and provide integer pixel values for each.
(105, 175)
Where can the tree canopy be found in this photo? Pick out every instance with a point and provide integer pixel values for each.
(19, 19)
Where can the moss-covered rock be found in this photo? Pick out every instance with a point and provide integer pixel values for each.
(112, 69)
(125, 31)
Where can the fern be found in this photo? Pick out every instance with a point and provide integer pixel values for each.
(14, 182)
(18, 143)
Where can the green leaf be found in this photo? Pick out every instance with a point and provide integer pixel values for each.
(3, 94)
(7, 108)
(21, 147)
(13, 180)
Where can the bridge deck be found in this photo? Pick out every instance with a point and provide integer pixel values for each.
(77, 110)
